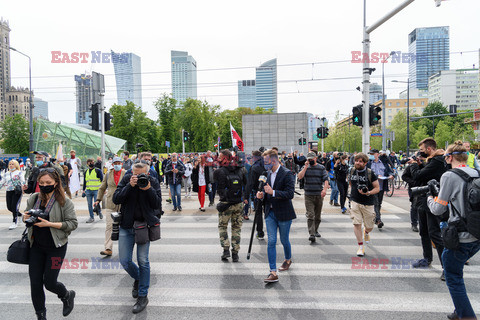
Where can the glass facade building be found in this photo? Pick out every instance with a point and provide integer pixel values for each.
(40, 109)
(83, 92)
(128, 77)
(247, 97)
(429, 50)
(184, 76)
(375, 93)
(266, 85)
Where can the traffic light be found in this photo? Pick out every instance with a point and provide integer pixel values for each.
(94, 116)
(304, 141)
(375, 114)
(185, 136)
(325, 132)
(220, 145)
(319, 133)
(357, 116)
(299, 141)
(453, 109)
(108, 119)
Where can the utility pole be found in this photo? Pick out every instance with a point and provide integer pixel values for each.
(102, 113)
(183, 141)
(367, 70)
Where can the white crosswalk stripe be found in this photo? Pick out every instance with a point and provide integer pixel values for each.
(188, 279)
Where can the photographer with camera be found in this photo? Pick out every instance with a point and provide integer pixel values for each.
(110, 183)
(174, 170)
(461, 245)
(92, 179)
(231, 181)
(49, 224)
(140, 198)
(407, 177)
(316, 186)
(256, 171)
(428, 223)
(364, 185)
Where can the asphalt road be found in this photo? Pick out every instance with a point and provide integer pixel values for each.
(189, 281)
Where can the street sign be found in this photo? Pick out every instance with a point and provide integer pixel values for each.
(376, 135)
(167, 144)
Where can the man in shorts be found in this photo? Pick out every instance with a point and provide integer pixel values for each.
(363, 184)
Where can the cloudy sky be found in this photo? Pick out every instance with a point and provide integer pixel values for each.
(233, 36)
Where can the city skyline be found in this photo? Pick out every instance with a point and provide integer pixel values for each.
(128, 70)
(184, 76)
(305, 82)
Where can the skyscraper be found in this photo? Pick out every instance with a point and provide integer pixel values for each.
(247, 96)
(431, 49)
(376, 93)
(4, 59)
(128, 77)
(40, 109)
(184, 76)
(83, 92)
(266, 85)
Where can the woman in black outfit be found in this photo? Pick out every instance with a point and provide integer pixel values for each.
(341, 172)
(48, 240)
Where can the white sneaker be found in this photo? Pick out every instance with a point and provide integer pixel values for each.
(13, 226)
(361, 251)
(366, 236)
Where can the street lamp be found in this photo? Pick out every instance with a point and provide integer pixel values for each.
(30, 140)
(408, 111)
(384, 125)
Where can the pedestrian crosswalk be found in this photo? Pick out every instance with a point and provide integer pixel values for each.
(189, 281)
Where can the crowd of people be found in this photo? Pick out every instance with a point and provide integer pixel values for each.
(265, 180)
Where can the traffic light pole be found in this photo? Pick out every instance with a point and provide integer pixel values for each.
(102, 108)
(183, 141)
(366, 68)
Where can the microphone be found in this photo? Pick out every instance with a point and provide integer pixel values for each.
(262, 181)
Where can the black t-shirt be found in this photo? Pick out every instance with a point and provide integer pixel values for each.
(362, 176)
(43, 236)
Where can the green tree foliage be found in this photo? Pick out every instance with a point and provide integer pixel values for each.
(131, 123)
(14, 135)
(167, 119)
(343, 138)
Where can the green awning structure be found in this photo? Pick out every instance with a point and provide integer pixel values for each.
(86, 143)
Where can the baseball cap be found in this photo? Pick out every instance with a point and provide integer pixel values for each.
(43, 153)
(117, 159)
(311, 155)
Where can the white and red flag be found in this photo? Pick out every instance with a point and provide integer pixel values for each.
(236, 140)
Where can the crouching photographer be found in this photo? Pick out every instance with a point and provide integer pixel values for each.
(429, 225)
(459, 196)
(140, 198)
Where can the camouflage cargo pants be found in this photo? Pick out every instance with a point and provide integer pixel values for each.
(233, 213)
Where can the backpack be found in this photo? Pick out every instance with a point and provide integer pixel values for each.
(233, 192)
(472, 202)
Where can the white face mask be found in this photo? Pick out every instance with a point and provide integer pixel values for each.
(12, 169)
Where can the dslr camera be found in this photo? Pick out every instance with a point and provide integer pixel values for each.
(432, 188)
(142, 180)
(363, 188)
(117, 218)
(34, 215)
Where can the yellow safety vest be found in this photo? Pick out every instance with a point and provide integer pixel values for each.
(471, 160)
(93, 182)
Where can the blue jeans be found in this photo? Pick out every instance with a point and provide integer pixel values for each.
(211, 195)
(284, 227)
(176, 191)
(453, 262)
(126, 241)
(334, 194)
(91, 198)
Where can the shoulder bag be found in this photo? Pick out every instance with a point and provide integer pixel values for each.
(19, 251)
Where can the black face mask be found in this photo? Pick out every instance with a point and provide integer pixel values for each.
(47, 189)
(91, 165)
(423, 154)
(311, 162)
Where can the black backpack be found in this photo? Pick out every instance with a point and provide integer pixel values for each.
(233, 192)
(472, 202)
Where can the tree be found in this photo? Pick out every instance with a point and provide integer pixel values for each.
(131, 123)
(167, 119)
(15, 135)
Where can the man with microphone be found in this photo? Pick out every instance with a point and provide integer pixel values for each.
(279, 213)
